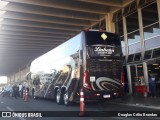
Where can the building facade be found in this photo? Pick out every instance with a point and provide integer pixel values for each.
(138, 26)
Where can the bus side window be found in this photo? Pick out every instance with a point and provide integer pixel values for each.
(36, 80)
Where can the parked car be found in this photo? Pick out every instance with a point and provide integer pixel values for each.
(7, 91)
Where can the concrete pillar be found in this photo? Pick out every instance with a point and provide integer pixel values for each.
(8, 80)
(129, 79)
(21, 74)
(145, 68)
(141, 31)
(158, 7)
(14, 79)
(136, 69)
(110, 26)
(125, 36)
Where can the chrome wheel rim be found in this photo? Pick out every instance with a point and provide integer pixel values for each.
(66, 98)
(58, 97)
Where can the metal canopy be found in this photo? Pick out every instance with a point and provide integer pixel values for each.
(30, 28)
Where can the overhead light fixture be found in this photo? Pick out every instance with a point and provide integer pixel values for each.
(3, 4)
(155, 64)
(139, 66)
(156, 68)
(2, 12)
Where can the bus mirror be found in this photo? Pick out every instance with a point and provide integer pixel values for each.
(28, 76)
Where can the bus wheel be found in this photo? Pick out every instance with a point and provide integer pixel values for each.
(65, 98)
(35, 97)
(59, 99)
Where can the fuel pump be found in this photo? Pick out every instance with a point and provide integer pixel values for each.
(140, 86)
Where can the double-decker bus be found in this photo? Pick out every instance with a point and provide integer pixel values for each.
(92, 61)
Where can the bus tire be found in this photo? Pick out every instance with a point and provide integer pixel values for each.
(66, 99)
(59, 98)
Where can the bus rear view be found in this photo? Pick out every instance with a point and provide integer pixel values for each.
(103, 70)
(90, 61)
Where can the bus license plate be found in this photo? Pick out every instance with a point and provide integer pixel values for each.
(106, 96)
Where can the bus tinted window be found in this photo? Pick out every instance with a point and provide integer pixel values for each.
(94, 37)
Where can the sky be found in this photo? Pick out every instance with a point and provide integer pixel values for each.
(3, 79)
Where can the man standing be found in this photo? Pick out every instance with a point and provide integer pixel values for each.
(20, 89)
(152, 86)
(15, 90)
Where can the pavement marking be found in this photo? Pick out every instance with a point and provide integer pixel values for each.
(10, 109)
(137, 105)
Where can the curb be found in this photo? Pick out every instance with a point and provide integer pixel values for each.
(136, 105)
